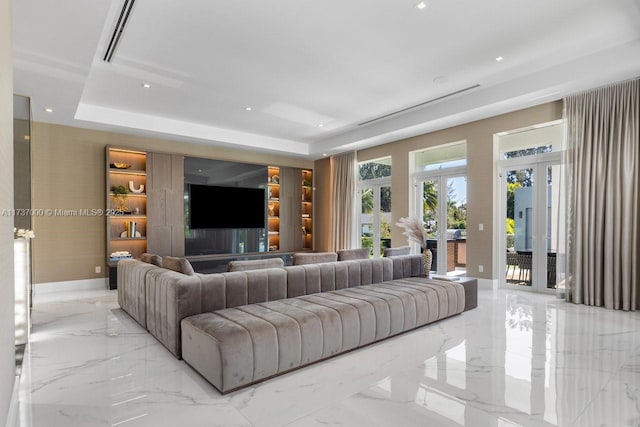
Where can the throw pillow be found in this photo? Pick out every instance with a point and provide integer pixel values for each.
(300, 258)
(350, 254)
(181, 265)
(151, 259)
(401, 250)
(254, 264)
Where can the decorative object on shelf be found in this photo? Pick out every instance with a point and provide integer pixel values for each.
(131, 229)
(306, 183)
(23, 233)
(272, 209)
(125, 234)
(415, 232)
(135, 190)
(120, 193)
(120, 165)
(118, 255)
(275, 179)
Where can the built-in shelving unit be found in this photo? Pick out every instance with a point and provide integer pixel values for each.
(126, 214)
(273, 207)
(307, 208)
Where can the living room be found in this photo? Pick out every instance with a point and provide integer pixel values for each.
(89, 363)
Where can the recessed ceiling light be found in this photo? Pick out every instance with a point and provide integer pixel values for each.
(421, 6)
(324, 154)
(146, 85)
(499, 58)
(320, 125)
(49, 110)
(248, 108)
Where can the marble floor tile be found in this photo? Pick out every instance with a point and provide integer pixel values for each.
(519, 359)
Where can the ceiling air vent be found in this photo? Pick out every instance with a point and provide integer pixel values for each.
(127, 7)
(404, 110)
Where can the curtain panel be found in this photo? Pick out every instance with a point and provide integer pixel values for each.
(343, 196)
(602, 143)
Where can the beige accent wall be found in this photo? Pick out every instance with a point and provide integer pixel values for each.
(69, 174)
(481, 199)
(7, 299)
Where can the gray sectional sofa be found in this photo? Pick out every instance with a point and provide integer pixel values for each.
(240, 327)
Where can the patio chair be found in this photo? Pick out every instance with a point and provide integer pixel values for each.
(524, 264)
(512, 263)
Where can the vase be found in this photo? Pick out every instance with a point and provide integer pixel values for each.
(427, 258)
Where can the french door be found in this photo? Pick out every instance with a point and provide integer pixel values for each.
(375, 215)
(441, 203)
(529, 207)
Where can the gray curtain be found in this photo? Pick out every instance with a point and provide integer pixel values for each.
(343, 196)
(602, 137)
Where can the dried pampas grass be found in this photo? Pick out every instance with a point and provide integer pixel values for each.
(413, 229)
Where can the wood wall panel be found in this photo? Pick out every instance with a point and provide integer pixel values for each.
(165, 206)
(290, 209)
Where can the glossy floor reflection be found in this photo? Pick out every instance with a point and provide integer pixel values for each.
(519, 359)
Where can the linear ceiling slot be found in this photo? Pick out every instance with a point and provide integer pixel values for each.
(418, 105)
(119, 29)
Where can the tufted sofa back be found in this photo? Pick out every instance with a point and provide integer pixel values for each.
(329, 276)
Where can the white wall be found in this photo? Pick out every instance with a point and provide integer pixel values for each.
(7, 348)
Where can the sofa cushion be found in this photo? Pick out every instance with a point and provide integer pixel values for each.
(350, 254)
(300, 258)
(406, 265)
(180, 265)
(400, 250)
(151, 259)
(254, 264)
(235, 347)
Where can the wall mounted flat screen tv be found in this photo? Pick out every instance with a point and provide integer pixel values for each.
(226, 207)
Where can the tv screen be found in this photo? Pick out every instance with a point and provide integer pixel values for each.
(226, 207)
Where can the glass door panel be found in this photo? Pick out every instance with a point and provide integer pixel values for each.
(385, 219)
(551, 241)
(430, 217)
(531, 226)
(366, 218)
(375, 218)
(456, 225)
(519, 226)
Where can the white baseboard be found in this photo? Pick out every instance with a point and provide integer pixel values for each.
(13, 415)
(74, 285)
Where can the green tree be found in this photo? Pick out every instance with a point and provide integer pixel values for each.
(511, 226)
(385, 227)
(373, 170)
(429, 199)
(367, 200)
(511, 198)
